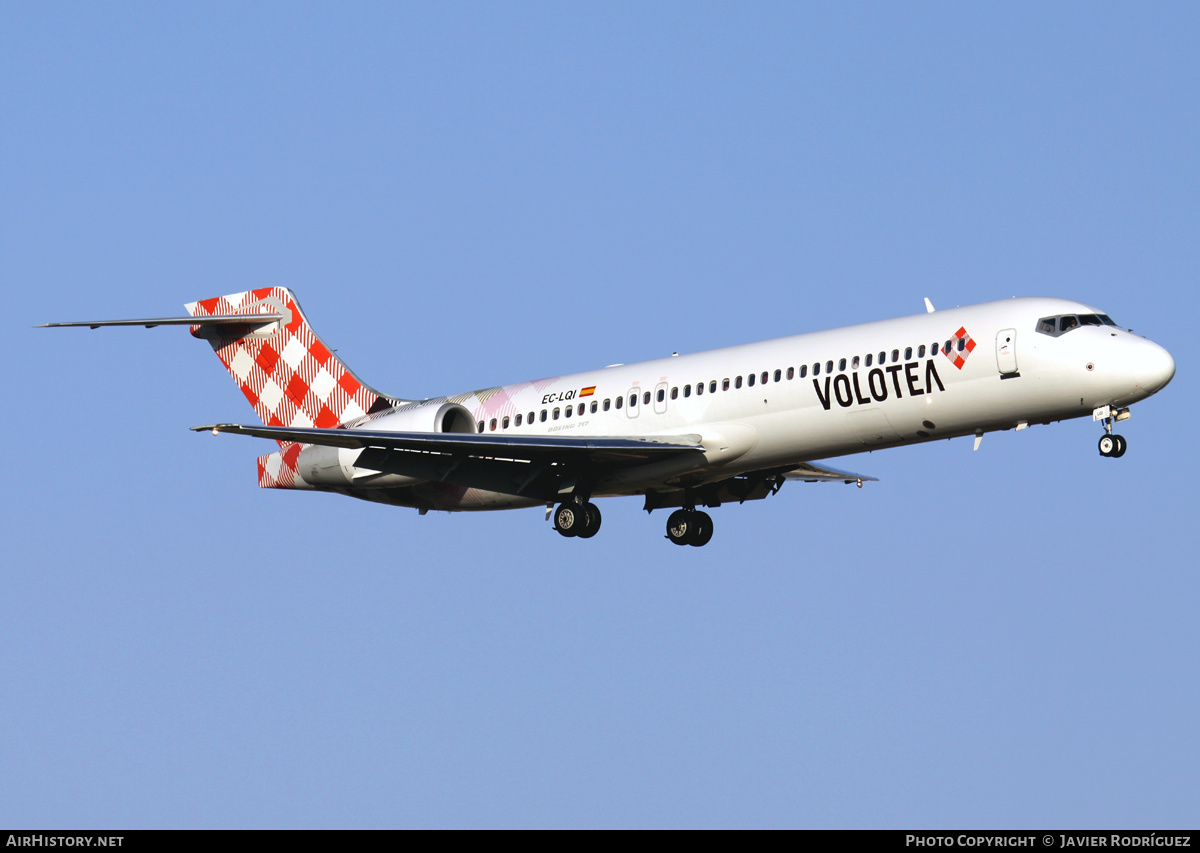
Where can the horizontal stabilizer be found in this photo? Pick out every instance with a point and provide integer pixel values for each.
(151, 322)
(594, 449)
(810, 473)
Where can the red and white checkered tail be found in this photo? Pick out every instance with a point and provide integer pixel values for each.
(289, 376)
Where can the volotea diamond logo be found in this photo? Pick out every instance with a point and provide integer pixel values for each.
(961, 347)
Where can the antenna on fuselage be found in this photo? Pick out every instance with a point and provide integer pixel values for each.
(928, 306)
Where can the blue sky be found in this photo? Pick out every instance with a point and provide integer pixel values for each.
(469, 194)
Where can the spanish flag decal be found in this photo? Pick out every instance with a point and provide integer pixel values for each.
(588, 391)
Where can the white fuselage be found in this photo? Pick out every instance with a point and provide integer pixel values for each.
(833, 393)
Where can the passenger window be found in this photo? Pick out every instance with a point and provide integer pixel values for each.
(933, 348)
(883, 358)
(829, 366)
(661, 395)
(687, 390)
(869, 359)
(737, 383)
(700, 388)
(633, 400)
(646, 397)
(854, 363)
(816, 368)
(895, 356)
(582, 408)
(543, 418)
(907, 353)
(570, 410)
(674, 393)
(841, 364)
(517, 422)
(607, 403)
(712, 386)
(962, 344)
(492, 424)
(921, 351)
(481, 426)
(595, 406)
(803, 370)
(554, 415)
(504, 423)
(724, 384)
(791, 373)
(766, 375)
(620, 401)
(750, 380)
(530, 418)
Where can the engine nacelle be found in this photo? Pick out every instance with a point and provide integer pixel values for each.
(434, 416)
(336, 466)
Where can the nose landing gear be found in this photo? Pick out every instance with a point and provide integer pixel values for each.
(1112, 445)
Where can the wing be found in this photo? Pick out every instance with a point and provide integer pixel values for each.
(810, 473)
(750, 486)
(530, 466)
(595, 449)
(535, 467)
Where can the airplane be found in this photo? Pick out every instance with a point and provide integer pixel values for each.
(683, 432)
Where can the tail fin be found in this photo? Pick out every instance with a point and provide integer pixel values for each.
(289, 376)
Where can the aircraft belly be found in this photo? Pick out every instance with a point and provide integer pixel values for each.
(440, 496)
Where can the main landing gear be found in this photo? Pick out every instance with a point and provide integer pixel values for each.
(689, 527)
(577, 518)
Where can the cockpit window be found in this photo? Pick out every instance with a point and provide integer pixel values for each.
(1063, 323)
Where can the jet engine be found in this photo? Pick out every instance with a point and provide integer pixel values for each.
(337, 466)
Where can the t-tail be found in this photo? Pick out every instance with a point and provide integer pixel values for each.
(286, 372)
(290, 377)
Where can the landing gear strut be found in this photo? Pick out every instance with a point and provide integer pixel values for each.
(1111, 445)
(689, 527)
(577, 518)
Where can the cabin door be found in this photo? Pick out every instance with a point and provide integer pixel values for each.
(1006, 352)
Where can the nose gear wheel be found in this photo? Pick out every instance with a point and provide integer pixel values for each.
(1112, 446)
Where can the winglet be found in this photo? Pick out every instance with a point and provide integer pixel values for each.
(928, 306)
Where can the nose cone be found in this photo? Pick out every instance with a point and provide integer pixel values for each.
(1155, 367)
